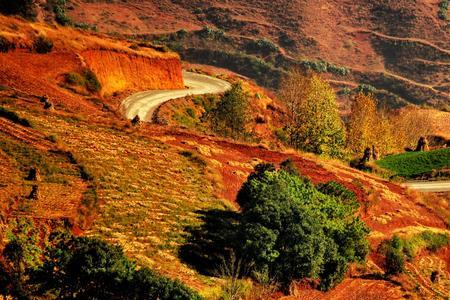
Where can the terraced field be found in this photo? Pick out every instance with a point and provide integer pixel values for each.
(419, 277)
(149, 192)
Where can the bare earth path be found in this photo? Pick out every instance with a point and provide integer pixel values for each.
(429, 186)
(144, 104)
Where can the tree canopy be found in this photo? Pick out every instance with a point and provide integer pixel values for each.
(291, 230)
(314, 121)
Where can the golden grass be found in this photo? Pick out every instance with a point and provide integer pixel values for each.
(149, 192)
(23, 33)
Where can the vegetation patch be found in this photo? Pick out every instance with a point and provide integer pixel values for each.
(287, 230)
(42, 45)
(415, 164)
(12, 116)
(86, 79)
(399, 250)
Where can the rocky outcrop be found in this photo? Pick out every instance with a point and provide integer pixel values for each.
(118, 71)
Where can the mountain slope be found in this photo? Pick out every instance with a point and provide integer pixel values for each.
(401, 47)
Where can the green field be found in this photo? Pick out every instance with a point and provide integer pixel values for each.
(414, 164)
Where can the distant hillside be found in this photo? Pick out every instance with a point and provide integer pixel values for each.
(400, 49)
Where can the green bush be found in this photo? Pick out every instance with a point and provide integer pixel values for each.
(24, 8)
(42, 45)
(230, 116)
(291, 231)
(92, 83)
(263, 46)
(434, 241)
(395, 258)
(87, 268)
(335, 189)
(87, 79)
(74, 79)
(190, 112)
(443, 9)
(325, 67)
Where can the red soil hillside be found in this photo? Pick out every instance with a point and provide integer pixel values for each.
(117, 66)
(141, 187)
(398, 46)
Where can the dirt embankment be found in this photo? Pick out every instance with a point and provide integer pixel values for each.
(122, 71)
(117, 66)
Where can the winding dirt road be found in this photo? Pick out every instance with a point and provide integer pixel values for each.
(145, 103)
(429, 186)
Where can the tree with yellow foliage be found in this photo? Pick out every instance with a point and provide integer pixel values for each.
(367, 127)
(314, 121)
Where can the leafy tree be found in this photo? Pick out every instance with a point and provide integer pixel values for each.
(395, 259)
(314, 121)
(368, 127)
(87, 268)
(230, 116)
(290, 230)
(21, 254)
(25, 8)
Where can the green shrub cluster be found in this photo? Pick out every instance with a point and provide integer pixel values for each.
(292, 231)
(84, 268)
(325, 67)
(42, 45)
(365, 89)
(86, 79)
(397, 250)
(263, 46)
(443, 9)
(209, 33)
(287, 230)
(24, 8)
(59, 9)
(231, 114)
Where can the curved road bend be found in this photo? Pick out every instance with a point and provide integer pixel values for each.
(429, 186)
(145, 103)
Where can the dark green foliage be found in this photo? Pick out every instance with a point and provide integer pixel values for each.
(92, 83)
(289, 166)
(208, 33)
(87, 268)
(12, 116)
(397, 250)
(395, 259)
(24, 8)
(293, 231)
(335, 189)
(325, 67)
(262, 46)
(434, 241)
(443, 9)
(87, 79)
(42, 45)
(365, 89)
(6, 45)
(59, 9)
(21, 254)
(230, 116)
(287, 230)
(190, 112)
